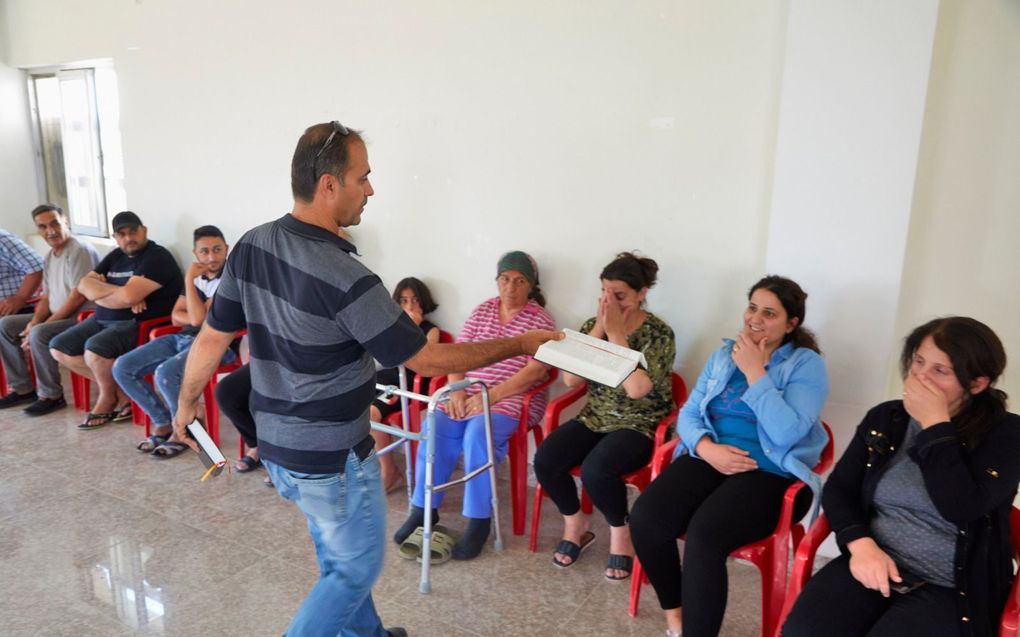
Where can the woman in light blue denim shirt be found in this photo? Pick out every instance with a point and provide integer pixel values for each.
(749, 429)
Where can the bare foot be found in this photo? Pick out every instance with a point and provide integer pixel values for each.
(619, 544)
(393, 482)
(574, 528)
(104, 406)
(673, 623)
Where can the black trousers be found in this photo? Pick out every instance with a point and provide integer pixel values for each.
(603, 458)
(834, 603)
(719, 514)
(232, 395)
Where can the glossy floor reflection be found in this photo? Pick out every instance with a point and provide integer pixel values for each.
(99, 539)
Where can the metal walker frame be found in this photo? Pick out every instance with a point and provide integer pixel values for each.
(428, 436)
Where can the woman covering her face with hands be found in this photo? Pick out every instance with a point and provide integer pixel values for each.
(614, 433)
(460, 426)
(748, 429)
(920, 501)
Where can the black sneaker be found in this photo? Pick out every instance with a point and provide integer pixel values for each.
(45, 405)
(14, 398)
(396, 631)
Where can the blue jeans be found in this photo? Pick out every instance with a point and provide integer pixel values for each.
(346, 515)
(165, 358)
(452, 437)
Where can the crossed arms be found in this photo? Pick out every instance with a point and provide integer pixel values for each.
(94, 287)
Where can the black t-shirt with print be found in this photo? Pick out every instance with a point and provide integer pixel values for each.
(153, 262)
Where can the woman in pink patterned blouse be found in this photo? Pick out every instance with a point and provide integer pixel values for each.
(460, 426)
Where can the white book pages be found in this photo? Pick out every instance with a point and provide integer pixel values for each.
(210, 454)
(591, 358)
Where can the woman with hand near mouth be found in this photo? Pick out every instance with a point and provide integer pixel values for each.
(920, 502)
(749, 429)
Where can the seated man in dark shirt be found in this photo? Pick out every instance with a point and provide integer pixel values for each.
(137, 281)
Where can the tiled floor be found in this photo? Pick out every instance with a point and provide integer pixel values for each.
(98, 539)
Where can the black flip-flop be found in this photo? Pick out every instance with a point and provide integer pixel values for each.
(623, 563)
(247, 464)
(123, 412)
(104, 418)
(572, 550)
(152, 441)
(169, 449)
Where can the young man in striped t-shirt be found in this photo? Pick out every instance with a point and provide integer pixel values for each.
(316, 319)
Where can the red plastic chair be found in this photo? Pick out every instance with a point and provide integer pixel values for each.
(771, 554)
(639, 478)
(1011, 614)
(81, 386)
(518, 453)
(4, 388)
(212, 410)
(804, 561)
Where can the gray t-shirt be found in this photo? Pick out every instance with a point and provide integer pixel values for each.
(906, 523)
(62, 273)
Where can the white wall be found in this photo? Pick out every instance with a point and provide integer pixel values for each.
(18, 186)
(500, 125)
(854, 83)
(490, 127)
(962, 255)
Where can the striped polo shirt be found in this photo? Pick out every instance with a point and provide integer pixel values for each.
(316, 319)
(483, 325)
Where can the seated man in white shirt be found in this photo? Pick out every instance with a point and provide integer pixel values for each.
(24, 335)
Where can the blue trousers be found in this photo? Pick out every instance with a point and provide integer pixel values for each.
(164, 358)
(346, 515)
(452, 437)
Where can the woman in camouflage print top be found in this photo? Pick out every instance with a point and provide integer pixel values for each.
(613, 434)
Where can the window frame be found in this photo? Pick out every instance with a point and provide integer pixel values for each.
(98, 193)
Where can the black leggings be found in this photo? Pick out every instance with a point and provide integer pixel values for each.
(719, 514)
(232, 394)
(835, 604)
(603, 459)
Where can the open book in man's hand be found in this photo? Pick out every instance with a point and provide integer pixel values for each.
(591, 358)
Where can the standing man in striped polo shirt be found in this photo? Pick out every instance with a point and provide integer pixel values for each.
(316, 319)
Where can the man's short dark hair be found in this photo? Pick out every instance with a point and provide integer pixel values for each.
(313, 158)
(47, 207)
(207, 231)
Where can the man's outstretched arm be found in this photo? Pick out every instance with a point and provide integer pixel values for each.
(436, 359)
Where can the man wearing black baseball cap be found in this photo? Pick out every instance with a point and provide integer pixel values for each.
(126, 219)
(137, 281)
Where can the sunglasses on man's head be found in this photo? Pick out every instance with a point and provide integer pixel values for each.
(337, 128)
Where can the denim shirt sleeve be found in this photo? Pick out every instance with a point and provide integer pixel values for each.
(787, 413)
(690, 425)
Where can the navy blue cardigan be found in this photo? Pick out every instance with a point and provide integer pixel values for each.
(972, 488)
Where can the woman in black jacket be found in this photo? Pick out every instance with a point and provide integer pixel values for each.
(920, 501)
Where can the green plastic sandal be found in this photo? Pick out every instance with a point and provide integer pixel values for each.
(441, 549)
